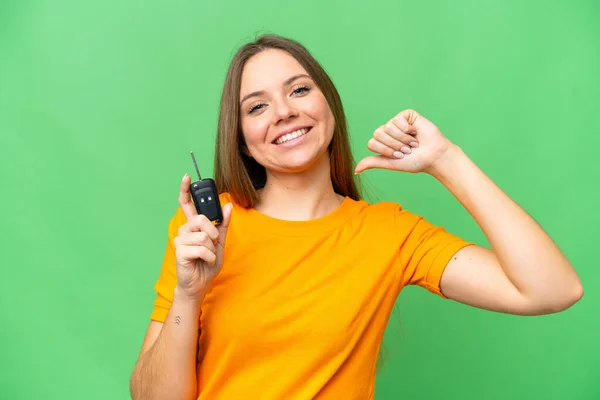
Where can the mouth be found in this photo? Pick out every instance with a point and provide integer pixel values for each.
(291, 135)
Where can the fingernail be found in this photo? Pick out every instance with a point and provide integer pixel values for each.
(183, 179)
(405, 149)
(414, 144)
(398, 154)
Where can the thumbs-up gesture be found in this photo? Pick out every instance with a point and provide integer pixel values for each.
(199, 246)
(408, 142)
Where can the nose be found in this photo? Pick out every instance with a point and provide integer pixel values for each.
(284, 110)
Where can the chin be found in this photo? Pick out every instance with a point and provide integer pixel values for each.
(297, 163)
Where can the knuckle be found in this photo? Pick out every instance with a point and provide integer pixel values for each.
(202, 218)
(397, 146)
(207, 254)
(372, 144)
(196, 223)
(406, 138)
(179, 253)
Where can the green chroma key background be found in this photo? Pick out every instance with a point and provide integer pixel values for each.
(102, 101)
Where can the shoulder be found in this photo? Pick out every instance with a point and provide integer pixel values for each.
(177, 220)
(389, 214)
(384, 209)
(379, 215)
(225, 198)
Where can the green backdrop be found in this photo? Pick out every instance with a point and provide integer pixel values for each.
(102, 101)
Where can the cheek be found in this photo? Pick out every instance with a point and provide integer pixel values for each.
(322, 112)
(330, 127)
(254, 131)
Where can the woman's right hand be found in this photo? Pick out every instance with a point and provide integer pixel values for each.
(199, 247)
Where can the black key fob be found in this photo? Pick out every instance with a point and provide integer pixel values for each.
(206, 197)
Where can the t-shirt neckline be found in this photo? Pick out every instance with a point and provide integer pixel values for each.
(348, 208)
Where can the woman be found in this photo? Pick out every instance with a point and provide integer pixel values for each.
(288, 298)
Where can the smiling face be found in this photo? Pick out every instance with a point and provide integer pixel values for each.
(286, 121)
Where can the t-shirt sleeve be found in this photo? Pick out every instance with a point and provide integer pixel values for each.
(167, 280)
(425, 250)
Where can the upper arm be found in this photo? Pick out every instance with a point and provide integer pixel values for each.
(457, 269)
(475, 277)
(164, 285)
(150, 337)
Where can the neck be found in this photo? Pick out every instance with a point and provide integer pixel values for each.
(300, 196)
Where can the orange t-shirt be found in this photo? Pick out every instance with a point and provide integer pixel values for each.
(299, 308)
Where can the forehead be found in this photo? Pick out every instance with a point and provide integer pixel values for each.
(268, 70)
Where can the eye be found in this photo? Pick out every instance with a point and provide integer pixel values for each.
(255, 108)
(301, 90)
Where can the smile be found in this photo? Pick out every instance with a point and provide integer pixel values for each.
(293, 135)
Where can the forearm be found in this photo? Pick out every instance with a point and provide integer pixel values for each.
(529, 257)
(168, 369)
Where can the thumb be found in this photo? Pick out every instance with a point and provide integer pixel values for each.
(224, 225)
(373, 162)
(415, 119)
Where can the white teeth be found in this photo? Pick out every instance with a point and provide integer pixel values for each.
(291, 136)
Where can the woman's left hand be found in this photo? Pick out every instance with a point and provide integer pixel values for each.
(408, 142)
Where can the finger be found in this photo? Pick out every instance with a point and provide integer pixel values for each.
(403, 124)
(377, 147)
(201, 223)
(396, 140)
(192, 253)
(224, 225)
(195, 239)
(185, 200)
(407, 132)
(374, 162)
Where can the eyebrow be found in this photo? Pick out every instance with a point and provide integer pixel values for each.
(261, 92)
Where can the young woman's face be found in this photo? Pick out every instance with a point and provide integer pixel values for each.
(285, 119)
